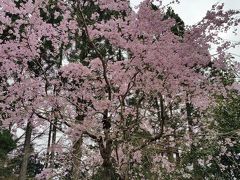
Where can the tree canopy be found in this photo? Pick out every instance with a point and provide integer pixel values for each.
(118, 94)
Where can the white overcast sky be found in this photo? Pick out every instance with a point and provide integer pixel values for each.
(192, 11)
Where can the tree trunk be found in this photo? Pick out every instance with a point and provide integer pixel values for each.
(77, 154)
(189, 109)
(105, 151)
(54, 135)
(170, 151)
(48, 145)
(27, 151)
(108, 173)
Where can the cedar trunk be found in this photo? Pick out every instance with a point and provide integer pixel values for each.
(26, 153)
(77, 154)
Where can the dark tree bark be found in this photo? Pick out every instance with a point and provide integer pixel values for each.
(77, 154)
(48, 145)
(54, 135)
(26, 152)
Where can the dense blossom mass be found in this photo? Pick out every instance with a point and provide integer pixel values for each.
(123, 95)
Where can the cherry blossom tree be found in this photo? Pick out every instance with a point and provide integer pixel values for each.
(125, 91)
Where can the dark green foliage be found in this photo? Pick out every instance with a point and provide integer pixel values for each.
(11, 166)
(178, 28)
(7, 144)
(227, 114)
(34, 165)
(226, 125)
(106, 173)
(49, 17)
(82, 41)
